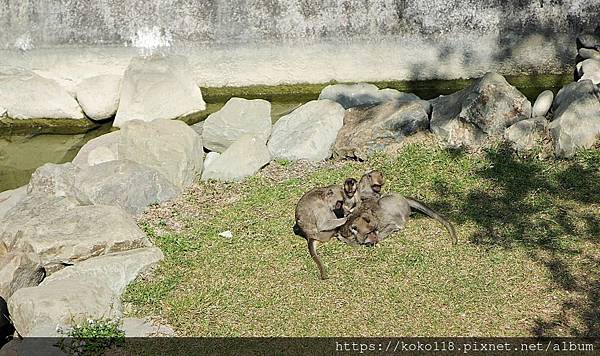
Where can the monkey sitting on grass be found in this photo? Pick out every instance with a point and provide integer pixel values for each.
(356, 214)
(321, 211)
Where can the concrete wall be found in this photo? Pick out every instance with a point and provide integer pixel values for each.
(242, 42)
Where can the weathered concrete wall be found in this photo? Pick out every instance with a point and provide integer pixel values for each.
(240, 42)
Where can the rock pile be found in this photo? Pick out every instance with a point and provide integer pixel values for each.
(69, 244)
(140, 94)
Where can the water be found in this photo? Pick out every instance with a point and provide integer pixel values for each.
(20, 155)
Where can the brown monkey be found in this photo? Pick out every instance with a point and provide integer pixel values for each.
(350, 196)
(370, 185)
(391, 213)
(316, 218)
(362, 224)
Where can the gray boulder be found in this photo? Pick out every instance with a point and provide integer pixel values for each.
(158, 87)
(527, 135)
(210, 158)
(382, 127)
(19, 269)
(125, 184)
(238, 117)
(26, 95)
(308, 132)
(576, 122)
(169, 146)
(485, 108)
(590, 70)
(60, 231)
(56, 180)
(99, 96)
(588, 40)
(542, 104)
(242, 159)
(352, 95)
(10, 198)
(98, 150)
(587, 53)
(89, 290)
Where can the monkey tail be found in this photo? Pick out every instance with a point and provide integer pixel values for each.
(415, 204)
(312, 249)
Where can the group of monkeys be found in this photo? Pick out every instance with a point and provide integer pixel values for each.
(356, 213)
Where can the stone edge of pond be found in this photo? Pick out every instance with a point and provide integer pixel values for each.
(10, 126)
(305, 92)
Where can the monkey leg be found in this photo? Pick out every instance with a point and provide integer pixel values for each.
(312, 249)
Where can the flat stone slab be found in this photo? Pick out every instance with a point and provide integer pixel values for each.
(60, 231)
(89, 290)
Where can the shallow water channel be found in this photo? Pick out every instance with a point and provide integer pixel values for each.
(21, 154)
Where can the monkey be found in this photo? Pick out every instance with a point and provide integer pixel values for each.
(316, 219)
(350, 196)
(362, 224)
(370, 184)
(385, 216)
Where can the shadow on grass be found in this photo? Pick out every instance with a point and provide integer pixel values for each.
(548, 209)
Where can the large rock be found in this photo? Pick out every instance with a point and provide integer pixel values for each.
(99, 150)
(527, 135)
(99, 96)
(10, 198)
(169, 146)
(590, 69)
(158, 87)
(351, 95)
(60, 231)
(88, 290)
(126, 184)
(542, 104)
(242, 159)
(587, 53)
(308, 132)
(238, 117)
(485, 108)
(19, 269)
(588, 40)
(576, 122)
(56, 180)
(26, 95)
(368, 130)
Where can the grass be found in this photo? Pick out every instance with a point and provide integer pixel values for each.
(527, 262)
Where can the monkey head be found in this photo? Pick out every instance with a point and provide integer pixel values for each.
(376, 180)
(350, 187)
(364, 228)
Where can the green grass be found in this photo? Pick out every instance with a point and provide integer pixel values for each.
(527, 262)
